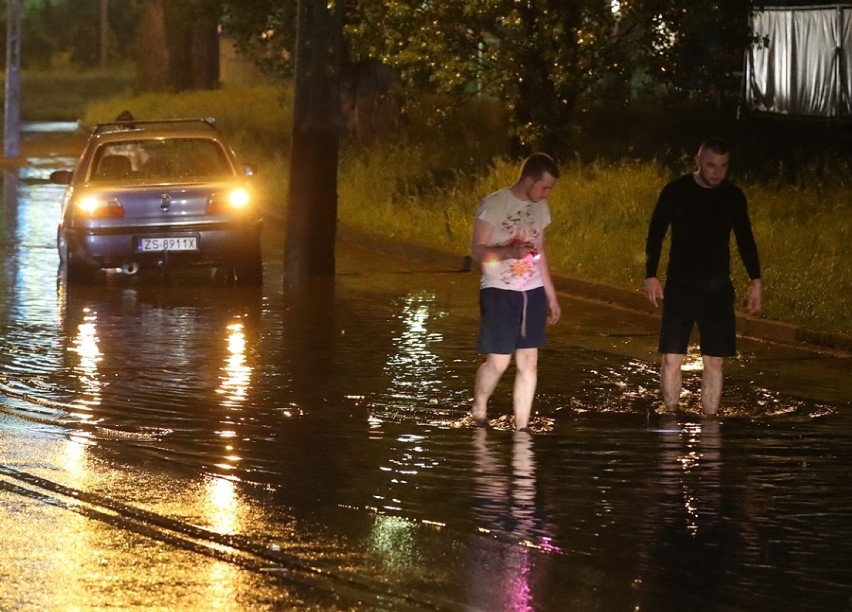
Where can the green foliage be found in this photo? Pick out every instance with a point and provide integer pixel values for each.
(547, 62)
(542, 60)
(805, 236)
(264, 30)
(696, 49)
(69, 31)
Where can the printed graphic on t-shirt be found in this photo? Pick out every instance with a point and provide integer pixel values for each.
(522, 226)
(515, 223)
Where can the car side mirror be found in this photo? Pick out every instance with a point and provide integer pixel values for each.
(61, 177)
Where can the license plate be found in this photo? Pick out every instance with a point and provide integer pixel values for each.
(167, 243)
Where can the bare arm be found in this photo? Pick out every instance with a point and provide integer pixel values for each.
(481, 251)
(554, 312)
(653, 290)
(755, 296)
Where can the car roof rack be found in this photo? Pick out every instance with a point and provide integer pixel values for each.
(112, 126)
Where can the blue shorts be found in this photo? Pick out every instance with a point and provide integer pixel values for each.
(511, 320)
(710, 305)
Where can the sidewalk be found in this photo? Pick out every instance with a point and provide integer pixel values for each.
(748, 326)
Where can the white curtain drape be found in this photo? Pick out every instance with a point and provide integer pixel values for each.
(805, 68)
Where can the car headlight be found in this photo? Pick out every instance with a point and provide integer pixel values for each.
(235, 200)
(99, 208)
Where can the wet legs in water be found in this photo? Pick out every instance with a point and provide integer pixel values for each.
(526, 377)
(671, 382)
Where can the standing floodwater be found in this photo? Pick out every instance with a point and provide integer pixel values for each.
(174, 442)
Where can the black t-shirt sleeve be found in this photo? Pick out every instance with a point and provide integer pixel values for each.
(745, 237)
(660, 221)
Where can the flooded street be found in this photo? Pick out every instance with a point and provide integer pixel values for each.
(172, 442)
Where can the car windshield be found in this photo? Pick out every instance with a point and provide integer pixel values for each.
(160, 159)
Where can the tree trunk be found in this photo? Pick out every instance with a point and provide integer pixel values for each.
(312, 206)
(175, 51)
(152, 49)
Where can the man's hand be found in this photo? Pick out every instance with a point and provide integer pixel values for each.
(755, 296)
(653, 291)
(553, 312)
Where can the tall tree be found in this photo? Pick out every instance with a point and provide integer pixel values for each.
(67, 32)
(178, 45)
(696, 50)
(543, 59)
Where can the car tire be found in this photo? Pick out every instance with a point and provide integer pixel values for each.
(248, 271)
(61, 246)
(77, 272)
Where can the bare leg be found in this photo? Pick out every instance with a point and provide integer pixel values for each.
(711, 384)
(526, 378)
(487, 377)
(671, 379)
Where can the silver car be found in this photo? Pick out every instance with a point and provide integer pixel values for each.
(158, 194)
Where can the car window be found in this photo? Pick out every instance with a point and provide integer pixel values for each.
(160, 159)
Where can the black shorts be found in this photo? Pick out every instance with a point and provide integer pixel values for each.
(710, 305)
(511, 320)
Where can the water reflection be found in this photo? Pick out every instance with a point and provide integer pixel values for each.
(307, 342)
(130, 350)
(223, 505)
(236, 372)
(85, 345)
(234, 384)
(414, 370)
(10, 193)
(686, 531)
(507, 514)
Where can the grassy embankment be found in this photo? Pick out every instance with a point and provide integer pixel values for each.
(63, 95)
(424, 186)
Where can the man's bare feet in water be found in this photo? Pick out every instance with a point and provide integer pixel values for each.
(479, 417)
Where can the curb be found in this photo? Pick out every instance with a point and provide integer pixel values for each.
(748, 326)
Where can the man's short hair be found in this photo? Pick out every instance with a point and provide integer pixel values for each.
(536, 165)
(717, 145)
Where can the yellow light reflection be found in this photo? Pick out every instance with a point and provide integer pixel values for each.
(86, 345)
(415, 372)
(233, 388)
(236, 373)
(222, 505)
(74, 458)
(223, 515)
(692, 362)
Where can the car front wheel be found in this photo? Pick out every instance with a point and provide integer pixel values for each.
(248, 270)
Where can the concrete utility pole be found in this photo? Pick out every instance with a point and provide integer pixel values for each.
(12, 119)
(312, 205)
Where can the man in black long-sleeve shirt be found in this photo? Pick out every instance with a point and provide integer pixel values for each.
(702, 209)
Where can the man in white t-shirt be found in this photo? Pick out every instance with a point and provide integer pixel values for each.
(516, 295)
